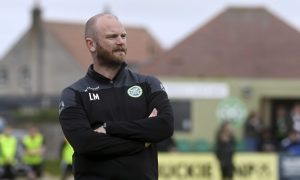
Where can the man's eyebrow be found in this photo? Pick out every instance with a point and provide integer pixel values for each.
(115, 34)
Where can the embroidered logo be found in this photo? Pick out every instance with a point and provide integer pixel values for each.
(94, 96)
(135, 91)
(91, 88)
(61, 106)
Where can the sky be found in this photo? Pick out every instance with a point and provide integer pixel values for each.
(169, 21)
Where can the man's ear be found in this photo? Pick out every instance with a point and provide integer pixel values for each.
(90, 44)
(92, 49)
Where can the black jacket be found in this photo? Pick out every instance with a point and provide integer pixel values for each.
(124, 104)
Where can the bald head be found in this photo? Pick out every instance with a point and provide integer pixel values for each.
(90, 26)
(105, 38)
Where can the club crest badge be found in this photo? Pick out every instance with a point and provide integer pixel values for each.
(135, 91)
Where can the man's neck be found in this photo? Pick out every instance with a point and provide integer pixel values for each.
(107, 72)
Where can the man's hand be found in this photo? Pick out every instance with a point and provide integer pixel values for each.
(153, 113)
(100, 130)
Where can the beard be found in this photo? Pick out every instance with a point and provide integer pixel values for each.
(108, 59)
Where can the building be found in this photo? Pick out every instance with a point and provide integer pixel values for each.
(52, 55)
(243, 59)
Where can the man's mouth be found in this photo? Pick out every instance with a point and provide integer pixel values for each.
(120, 50)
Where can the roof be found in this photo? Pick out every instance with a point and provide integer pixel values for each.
(239, 42)
(142, 47)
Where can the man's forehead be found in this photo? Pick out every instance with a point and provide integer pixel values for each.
(111, 25)
(115, 31)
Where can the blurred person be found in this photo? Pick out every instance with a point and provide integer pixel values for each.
(267, 142)
(33, 157)
(291, 144)
(8, 149)
(66, 153)
(114, 117)
(252, 131)
(224, 150)
(295, 118)
(283, 123)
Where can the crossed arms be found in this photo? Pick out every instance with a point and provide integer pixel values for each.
(119, 138)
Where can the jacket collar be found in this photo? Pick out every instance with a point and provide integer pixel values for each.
(99, 77)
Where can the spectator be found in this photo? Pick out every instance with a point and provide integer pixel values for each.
(291, 144)
(8, 149)
(224, 149)
(283, 123)
(295, 118)
(33, 144)
(267, 143)
(66, 152)
(252, 130)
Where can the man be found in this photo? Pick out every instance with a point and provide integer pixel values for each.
(34, 147)
(224, 150)
(291, 144)
(113, 117)
(8, 149)
(66, 153)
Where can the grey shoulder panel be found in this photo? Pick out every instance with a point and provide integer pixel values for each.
(67, 99)
(154, 84)
(69, 96)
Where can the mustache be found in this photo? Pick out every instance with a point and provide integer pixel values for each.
(124, 49)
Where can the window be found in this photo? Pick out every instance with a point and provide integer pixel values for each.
(181, 110)
(25, 78)
(3, 76)
(25, 74)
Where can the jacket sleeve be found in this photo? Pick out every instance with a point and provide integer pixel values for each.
(84, 140)
(153, 129)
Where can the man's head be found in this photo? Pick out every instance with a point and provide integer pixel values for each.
(105, 38)
(32, 130)
(8, 131)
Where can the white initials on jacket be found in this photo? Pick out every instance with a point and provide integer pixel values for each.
(94, 96)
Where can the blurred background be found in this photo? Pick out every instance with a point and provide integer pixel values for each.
(235, 61)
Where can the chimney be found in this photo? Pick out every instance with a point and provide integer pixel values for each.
(106, 9)
(37, 34)
(36, 16)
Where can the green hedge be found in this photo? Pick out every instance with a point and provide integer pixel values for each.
(52, 167)
(36, 115)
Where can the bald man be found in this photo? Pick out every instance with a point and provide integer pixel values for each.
(114, 117)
